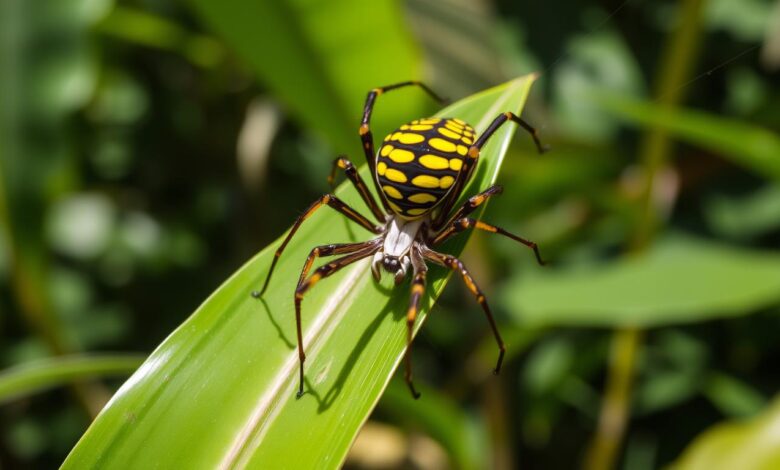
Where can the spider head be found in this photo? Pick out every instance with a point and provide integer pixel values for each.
(392, 264)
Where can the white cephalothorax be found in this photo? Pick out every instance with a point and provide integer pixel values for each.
(394, 254)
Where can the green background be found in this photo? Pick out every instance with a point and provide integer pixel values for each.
(150, 148)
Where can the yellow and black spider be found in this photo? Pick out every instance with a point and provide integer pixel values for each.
(419, 172)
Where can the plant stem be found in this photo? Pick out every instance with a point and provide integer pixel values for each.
(676, 63)
(613, 418)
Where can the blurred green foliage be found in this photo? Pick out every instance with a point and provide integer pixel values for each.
(148, 148)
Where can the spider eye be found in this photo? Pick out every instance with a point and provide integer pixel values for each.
(391, 264)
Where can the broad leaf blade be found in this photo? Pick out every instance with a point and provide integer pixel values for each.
(751, 444)
(297, 49)
(220, 391)
(678, 280)
(747, 145)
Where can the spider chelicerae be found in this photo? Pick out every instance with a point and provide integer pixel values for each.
(419, 172)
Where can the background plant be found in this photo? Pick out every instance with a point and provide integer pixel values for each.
(149, 148)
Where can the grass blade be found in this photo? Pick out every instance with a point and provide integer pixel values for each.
(680, 279)
(37, 376)
(746, 145)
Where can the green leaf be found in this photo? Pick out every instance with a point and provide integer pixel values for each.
(743, 217)
(733, 397)
(220, 392)
(320, 58)
(744, 144)
(141, 27)
(749, 444)
(679, 280)
(671, 373)
(37, 376)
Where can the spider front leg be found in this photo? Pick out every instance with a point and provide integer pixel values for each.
(352, 174)
(304, 286)
(465, 223)
(329, 200)
(367, 137)
(456, 265)
(471, 205)
(472, 157)
(418, 289)
(499, 121)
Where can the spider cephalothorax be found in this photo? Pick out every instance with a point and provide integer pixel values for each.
(394, 254)
(419, 172)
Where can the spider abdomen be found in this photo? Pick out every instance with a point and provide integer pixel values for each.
(418, 164)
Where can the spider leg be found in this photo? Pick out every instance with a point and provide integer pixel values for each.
(499, 121)
(365, 126)
(455, 264)
(472, 157)
(418, 289)
(303, 287)
(465, 223)
(473, 203)
(331, 250)
(349, 169)
(329, 200)
(469, 163)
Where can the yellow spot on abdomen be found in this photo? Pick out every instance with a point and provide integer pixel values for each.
(422, 198)
(442, 145)
(381, 167)
(466, 140)
(462, 150)
(392, 192)
(420, 127)
(430, 121)
(456, 164)
(448, 133)
(416, 211)
(394, 175)
(408, 138)
(426, 181)
(386, 150)
(454, 127)
(394, 206)
(434, 162)
(401, 156)
(446, 181)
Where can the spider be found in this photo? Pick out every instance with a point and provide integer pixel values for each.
(419, 172)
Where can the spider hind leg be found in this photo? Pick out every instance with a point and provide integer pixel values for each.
(456, 265)
(418, 290)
